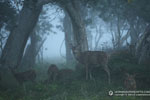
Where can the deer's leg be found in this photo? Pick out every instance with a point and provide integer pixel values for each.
(24, 88)
(55, 76)
(108, 72)
(90, 74)
(87, 72)
(33, 81)
(50, 77)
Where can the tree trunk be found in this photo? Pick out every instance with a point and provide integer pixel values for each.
(119, 45)
(68, 38)
(143, 48)
(73, 10)
(13, 50)
(137, 27)
(28, 60)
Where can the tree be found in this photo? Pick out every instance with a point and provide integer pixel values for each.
(68, 37)
(37, 37)
(7, 21)
(13, 50)
(73, 10)
(7, 15)
(143, 48)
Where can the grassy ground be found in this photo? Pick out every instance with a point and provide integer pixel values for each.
(77, 88)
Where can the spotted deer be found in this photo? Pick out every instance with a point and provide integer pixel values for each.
(65, 75)
(22, 77)
(52, 72)
(91, 59)
(129, 82)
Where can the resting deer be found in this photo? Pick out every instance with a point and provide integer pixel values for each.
(52, 72)
(130, 83)
(65, 75)
(90, 59)
(22, 77)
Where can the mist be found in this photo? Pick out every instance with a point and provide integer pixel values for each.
(74, 49)
(54, 46)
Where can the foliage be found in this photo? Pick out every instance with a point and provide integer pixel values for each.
(76, 91)
(7, 14)
(124, 62)
(44, 26)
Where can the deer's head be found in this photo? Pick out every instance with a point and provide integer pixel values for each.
(130, 82)
(52, 69)
(76, 50)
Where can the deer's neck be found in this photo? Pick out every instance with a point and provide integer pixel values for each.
(78, 55)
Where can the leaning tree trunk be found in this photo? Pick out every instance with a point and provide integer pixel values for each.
(13, 50)
(28, 60)
(134, 38)
(143, 48)
(137, 27)
(119, 45)
(68, 38)
(73, 10)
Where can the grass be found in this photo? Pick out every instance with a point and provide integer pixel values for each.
(78, 88)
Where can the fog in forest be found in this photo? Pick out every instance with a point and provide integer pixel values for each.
(54, 46)
(74, 49)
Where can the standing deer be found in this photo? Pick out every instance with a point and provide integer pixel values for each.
(22, 77)
(90, 59)
(130, 83)
(52, 72)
